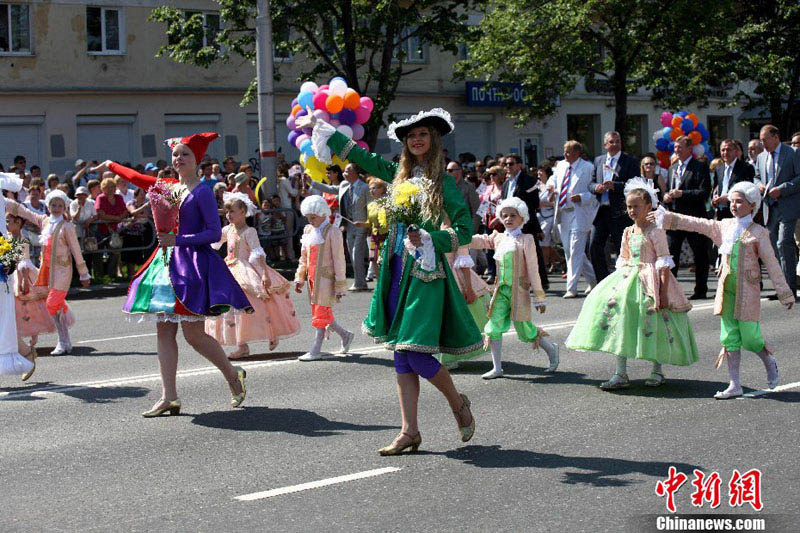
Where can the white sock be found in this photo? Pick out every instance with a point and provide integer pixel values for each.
(320, 334)
(63, 330)
(497, 354)
(734, 358)
(622, 365)
(335, 326)
(548, 347)
(769, 363)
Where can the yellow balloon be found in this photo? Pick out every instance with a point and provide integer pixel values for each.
(315, 168)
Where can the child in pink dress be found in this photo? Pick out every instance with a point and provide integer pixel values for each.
(322, 265)
(268, 292)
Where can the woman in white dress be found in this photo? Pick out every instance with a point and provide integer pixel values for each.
(11, 362)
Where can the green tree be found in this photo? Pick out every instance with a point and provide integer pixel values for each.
(615, 46)
(363, 41)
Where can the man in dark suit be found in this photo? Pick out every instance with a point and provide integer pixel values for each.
(523, 186)
(611, 171)
(726, 175)
(688, 188)
(778, 177)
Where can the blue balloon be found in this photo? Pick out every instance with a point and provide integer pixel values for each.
(306, 147)
(667, 133)
(347, 116)
(687, 126)
(662, 144)
(671, 147)
(701, 129)
(708, 150)
(306, 99)
(682, 114)
(337, 78)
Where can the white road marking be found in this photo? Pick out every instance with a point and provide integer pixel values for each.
(762, 392)
(48, 391)
(92, 341)
(315, 484)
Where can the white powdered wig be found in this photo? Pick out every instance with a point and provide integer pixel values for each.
(516, 204)
(640, 183)
(750, 192)
(56, 194)
(315, 205)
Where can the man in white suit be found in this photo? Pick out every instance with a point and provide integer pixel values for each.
(576, 206)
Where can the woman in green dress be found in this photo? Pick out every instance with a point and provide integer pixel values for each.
(417, 309)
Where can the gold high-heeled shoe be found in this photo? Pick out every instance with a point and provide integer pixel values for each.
(237, 399)
(397, 449)
(27, 375)
(174, 408)
(466, 432)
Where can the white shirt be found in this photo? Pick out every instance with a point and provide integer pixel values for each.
(726, 177)
(512, 184)
(127, 195)
(8, 182)
(608, 172)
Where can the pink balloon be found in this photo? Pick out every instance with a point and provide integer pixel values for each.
(335, 123)
(362, 144)
(319, 100)
(366, 101)
(362, 114)
(666, 118)
(290, 122)
(358, 131)
(300, 140)
(324, 87)
(322, 115)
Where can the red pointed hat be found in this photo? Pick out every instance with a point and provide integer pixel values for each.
(197, 143)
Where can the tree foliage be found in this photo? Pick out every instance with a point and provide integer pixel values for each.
(615, 46)
(360, 40)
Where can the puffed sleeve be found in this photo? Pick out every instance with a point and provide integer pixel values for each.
(325, 139)
(460, 230)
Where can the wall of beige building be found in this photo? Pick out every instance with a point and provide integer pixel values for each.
(63, 97)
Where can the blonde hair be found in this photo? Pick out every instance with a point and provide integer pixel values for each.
(641, 165)
(714, 164)
(373, 180)
(106, 182)
(642, 194)
(497, 169)
(432, 168)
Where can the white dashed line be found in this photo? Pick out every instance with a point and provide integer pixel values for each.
(315, 484)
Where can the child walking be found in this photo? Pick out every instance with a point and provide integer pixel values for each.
(59, 242)
(742, 243)
(274, 316)
(517, 277)
(639, 311)
(322, 265)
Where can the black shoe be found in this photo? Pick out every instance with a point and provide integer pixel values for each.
(772, 297)
(696, 296)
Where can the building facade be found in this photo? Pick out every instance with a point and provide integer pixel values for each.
(82, 80)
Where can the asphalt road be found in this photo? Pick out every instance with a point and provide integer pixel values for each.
(551, 452)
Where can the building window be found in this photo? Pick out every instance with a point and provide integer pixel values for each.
(412, 49)
(211, 27)
(635, 141)
(281, 51)
(586, 130)
(105, 31)
(719, 129)
(15, 29)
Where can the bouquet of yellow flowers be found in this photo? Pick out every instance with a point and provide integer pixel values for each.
(404, 201)
(10, 256)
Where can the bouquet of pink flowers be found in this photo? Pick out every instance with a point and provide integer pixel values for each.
(165, 205)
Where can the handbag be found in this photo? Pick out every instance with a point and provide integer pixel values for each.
(90, 244)
(115, 241)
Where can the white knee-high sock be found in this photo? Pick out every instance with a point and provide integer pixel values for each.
(320, 334)
(63, 329)
(497, 353)
(734, 359)
(548, 347)
(335, 326)
(622, 365)
(769, 363)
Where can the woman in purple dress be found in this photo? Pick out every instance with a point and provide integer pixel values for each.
(187, 281)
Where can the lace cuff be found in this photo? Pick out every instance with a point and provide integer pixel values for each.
(319, 141)
(425, 255)
(217, 245)
(86, 277)
(255, 253)
(621, 262)
(463, 261)
(660, 213)
(665, 261)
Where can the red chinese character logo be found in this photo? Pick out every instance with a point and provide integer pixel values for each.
(746, 488)
(706, 489)
(669, 487)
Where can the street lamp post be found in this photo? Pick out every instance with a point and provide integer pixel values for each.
(266, 99)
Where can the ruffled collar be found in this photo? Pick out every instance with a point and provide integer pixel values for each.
(51, 226)
(315, 237)
(733, 233)
(509, 242)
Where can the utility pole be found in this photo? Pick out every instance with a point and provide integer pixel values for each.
(266, 99)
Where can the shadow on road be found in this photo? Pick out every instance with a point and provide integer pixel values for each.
(362, 359)
(598, 471)
(294, 421)
(85, 394)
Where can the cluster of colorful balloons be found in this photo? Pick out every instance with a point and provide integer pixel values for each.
(676, 125)
(336, 104)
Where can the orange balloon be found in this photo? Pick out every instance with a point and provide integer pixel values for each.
(676, 122)
(676, 132)
(695, 120)
(295, 109)
(663, 159)
(334, 103)
(695, 137)
(352, 99)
